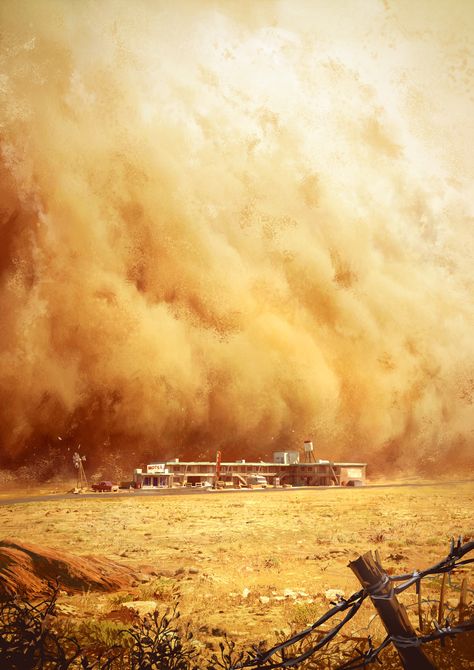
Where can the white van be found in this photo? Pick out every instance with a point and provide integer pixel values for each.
(257, 480)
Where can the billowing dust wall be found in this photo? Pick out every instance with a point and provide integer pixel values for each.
(237, 225)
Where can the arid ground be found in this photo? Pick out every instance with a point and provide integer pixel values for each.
(247, 564)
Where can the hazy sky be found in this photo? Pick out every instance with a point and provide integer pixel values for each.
(238, 225)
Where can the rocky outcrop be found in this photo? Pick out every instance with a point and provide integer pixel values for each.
(26, 570)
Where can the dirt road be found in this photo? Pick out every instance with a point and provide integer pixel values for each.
(16, 500)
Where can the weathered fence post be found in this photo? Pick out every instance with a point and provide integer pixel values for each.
(441, 599)
(393, 615)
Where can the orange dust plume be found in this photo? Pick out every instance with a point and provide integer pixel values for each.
(237, 225)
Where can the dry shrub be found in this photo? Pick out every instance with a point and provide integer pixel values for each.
(35, 637)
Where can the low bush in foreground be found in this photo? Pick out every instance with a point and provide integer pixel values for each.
(37, 637)
(33, 636)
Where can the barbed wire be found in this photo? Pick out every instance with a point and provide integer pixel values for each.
(448, 564)
(371, 655)
(452, 561)
(353, 603)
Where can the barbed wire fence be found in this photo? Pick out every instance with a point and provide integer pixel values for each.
(33, 636)
(382, 590)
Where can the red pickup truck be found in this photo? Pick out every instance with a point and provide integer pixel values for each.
(104, 486)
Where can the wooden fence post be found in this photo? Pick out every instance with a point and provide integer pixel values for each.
(392, 614)
(441, 599)
(463, 600)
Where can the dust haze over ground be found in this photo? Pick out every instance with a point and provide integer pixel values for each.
(237, 225)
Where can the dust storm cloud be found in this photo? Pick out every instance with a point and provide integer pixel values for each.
(237, 225)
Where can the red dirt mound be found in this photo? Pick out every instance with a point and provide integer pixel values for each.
(26, 569)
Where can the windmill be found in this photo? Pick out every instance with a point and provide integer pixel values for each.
(78, 461)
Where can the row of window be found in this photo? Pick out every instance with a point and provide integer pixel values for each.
(155, 481)
(237, 467)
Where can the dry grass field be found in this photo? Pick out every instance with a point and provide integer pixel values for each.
(249, 563)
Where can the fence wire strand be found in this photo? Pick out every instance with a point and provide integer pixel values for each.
(452, 561)
(354, 602)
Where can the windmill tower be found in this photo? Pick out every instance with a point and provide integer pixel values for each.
(78, 461)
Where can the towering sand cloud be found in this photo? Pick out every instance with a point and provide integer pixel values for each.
(236, 225)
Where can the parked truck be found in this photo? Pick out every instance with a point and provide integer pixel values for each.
(106, 486)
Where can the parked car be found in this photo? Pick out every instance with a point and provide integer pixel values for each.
(203, 485)
(258, 481)
(130, 484)
(100, 487)
(199, 485)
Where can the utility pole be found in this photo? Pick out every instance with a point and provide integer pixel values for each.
(218, 468)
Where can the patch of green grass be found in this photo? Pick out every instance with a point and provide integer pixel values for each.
(106, 633)
(120, 598)
(160, 588)
(304, 613)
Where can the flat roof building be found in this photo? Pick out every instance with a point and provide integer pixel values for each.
(284, 470)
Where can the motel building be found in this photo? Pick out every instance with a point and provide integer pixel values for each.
(285, 470)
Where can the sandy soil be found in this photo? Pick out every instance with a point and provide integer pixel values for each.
(248, 564)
